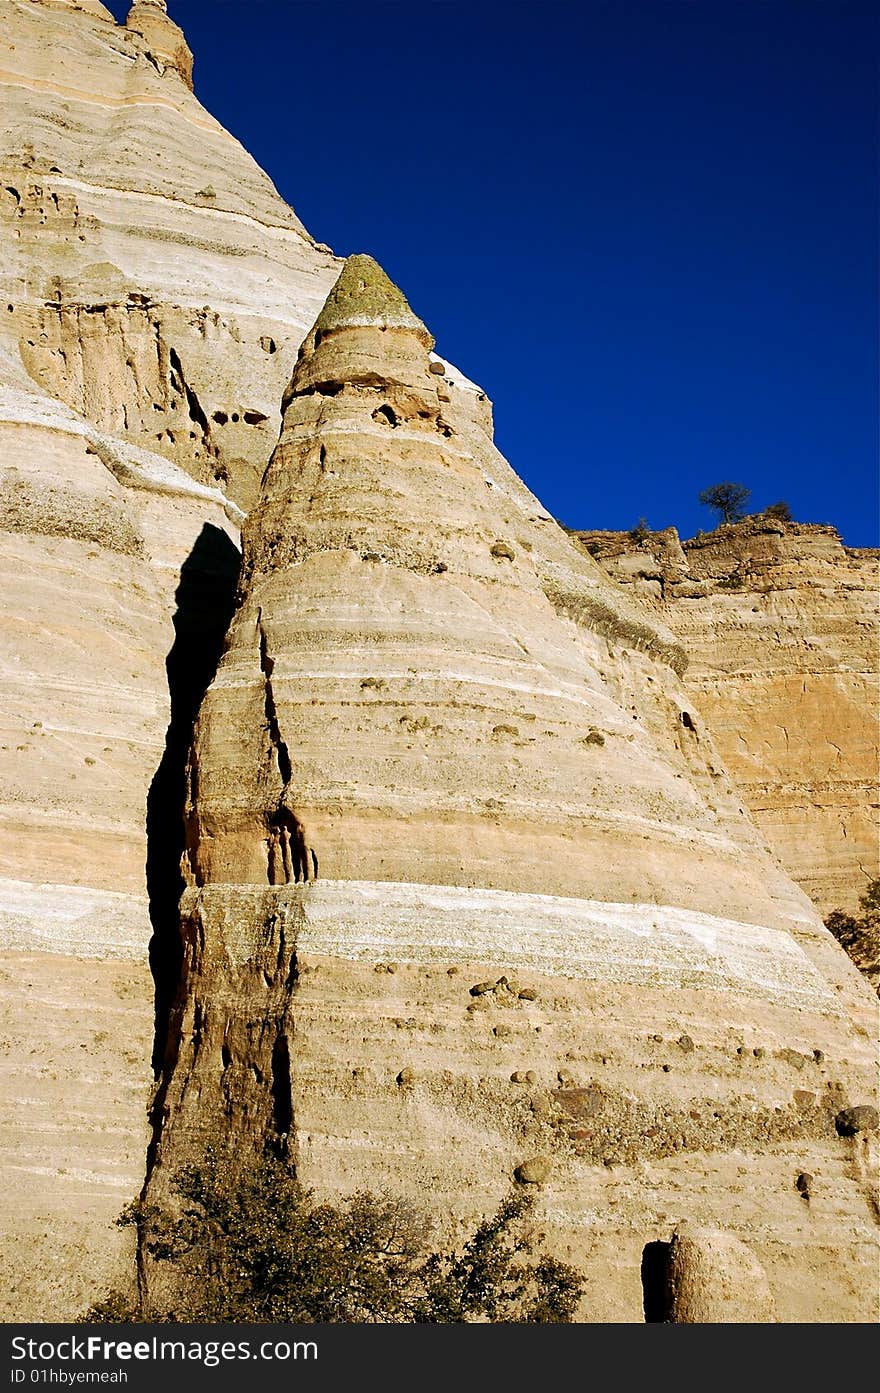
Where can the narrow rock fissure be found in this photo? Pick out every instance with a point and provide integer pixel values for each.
(282, 1096)
(267, 665)
(193, 405)
(290, 856)
(205, 601)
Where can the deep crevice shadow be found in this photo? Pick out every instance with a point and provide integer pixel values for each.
(205, 602)
(655, 1257)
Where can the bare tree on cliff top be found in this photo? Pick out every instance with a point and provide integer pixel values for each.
(727, 500)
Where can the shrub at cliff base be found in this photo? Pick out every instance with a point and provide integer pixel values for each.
(256, 1247)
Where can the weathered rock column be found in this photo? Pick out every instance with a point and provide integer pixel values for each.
(472, 901)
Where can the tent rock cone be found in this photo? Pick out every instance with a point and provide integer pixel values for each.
(467, 883)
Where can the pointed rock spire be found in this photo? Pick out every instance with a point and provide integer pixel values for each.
(387, 553)
(165, 39)
(366, 335)
(365, 297)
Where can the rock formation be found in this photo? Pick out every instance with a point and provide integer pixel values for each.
(780, 623)
(165, 39)
(545, 945)
(155, 290)
(713, 1278)
(486, 743)
(130, 412)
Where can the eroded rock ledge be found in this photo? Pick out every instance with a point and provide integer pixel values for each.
(780, 622)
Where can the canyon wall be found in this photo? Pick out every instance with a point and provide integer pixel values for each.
(155, 290)
(780, 621)
(132, 414)
(486, 740)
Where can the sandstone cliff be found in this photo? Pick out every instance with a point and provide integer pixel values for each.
(471, 897)
(131, 412)
(156, 290)
(780, 623)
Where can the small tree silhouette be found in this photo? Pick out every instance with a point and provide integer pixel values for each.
(728, 500)
(780, 511)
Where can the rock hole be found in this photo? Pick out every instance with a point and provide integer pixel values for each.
(654, 1259)
(255, 418)
(687, 721)
(385, 416)
(281, 1095)
(268, 344)
(235, 416)
(226, 1055)
(220, 417)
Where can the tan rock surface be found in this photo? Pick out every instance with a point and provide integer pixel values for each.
(780, 622)
(155, 290)
(154, 279)
(712, 1277)
(165, 39)
(74, 1084)
(432, 702)
(109, 474)
(90, 568)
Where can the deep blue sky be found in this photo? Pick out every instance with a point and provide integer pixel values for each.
(648, 229)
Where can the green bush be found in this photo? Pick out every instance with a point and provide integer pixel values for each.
(255, 1247)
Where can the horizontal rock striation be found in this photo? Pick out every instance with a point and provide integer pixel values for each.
(155, 291)
(118, 537)
(780, 621)
(486, 754)
(471, 900)
(435, 1041)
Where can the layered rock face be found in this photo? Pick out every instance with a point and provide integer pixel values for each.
(155, 289)
(155, 281)
(471, 900)
(780, 622)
